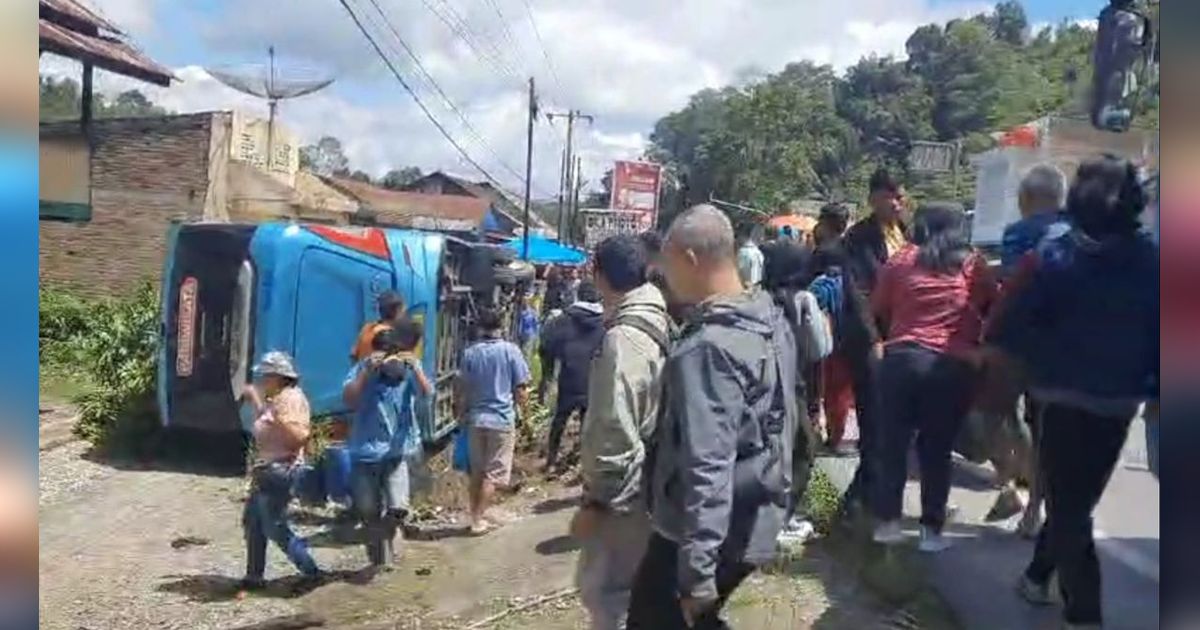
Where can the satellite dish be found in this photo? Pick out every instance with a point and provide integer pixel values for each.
(273, 84)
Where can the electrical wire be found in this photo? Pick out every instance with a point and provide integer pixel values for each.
(542, 44)
(460, 29)
(471, 130)
(388, 62)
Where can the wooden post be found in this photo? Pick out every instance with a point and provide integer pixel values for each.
(85, 105)
(528, 165)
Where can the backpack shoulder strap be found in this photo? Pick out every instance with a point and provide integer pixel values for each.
(660, 338)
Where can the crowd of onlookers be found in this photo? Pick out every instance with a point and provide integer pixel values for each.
(709, 374)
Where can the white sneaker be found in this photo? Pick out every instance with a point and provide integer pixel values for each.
(932, 541)
(888, 533)
(797, 530)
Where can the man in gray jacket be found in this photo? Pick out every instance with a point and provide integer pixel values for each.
(624, 388)
(720, 460)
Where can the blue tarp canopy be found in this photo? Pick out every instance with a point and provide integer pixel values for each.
(544, 251)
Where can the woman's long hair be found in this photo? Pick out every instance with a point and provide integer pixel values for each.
(787, 269)
(939, 231)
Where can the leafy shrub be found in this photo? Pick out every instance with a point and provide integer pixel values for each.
(62, 319)
(823, 501)
(117, 348)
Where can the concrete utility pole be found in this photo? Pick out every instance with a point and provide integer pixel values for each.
(575, 199)
(533, 108)
(568, 175)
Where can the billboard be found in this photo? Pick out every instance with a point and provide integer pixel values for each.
(635, 187)
(599, 224)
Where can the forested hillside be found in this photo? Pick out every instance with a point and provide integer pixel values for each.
(810, 132)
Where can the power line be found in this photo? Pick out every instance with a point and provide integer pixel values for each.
(413, 94)
(458, 27)
(507, 32)
(437, 88)
(542, 44)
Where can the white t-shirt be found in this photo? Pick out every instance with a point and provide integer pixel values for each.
(750, 264)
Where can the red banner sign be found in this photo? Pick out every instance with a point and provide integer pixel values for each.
(635, 187)
(185, 337)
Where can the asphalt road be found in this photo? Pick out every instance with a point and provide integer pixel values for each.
(977, 575)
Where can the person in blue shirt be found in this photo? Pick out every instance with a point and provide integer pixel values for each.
(384, 438)
(527, 326)
(1040, 199)
(492, 384)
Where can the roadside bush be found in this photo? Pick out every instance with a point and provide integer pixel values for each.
(117, 348)
(62, 319)
(823, 501)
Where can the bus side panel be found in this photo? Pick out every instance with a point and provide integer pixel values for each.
(314, 296)
(417, 258)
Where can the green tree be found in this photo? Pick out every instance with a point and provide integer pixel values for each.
(60, 99)
(1008, 22)
(130, 104)
(326, 158)
(397, 179)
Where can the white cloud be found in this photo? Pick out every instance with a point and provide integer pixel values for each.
(135, 17)
(628, 62)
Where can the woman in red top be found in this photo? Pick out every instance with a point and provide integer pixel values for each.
(931, 299)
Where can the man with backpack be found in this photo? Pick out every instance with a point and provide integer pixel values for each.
(624, 389)
(720, 462)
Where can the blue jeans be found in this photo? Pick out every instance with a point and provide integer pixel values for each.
(265, 518)
(381, 493)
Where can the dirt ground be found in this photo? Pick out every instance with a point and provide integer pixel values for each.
(160, 546)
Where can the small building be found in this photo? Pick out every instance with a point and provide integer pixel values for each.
(144, 174)
(462, 214)
(509, 210)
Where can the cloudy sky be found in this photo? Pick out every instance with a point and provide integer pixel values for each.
(627, 62)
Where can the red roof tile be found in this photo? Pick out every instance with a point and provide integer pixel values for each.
(407, 208)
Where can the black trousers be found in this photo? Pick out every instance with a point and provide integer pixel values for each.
(1077, 454)
(864, 372)
(654, 602)
(928, 394)
(804, 452)
(559, 424)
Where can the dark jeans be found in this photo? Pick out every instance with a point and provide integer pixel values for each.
(654, 603)
(864, 372)
(265, 518)
(804, 451)
(926, 393)
(559, 424)
(381, 494)
(1078, 452)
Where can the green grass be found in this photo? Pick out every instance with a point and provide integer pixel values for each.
(57, 386)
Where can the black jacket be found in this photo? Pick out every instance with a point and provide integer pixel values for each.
(571, 340)
(866, 252)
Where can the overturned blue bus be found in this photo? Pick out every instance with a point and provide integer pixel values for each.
(231, 292)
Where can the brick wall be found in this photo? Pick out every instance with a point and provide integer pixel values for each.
(145, 173)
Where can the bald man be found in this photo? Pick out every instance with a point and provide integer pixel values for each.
(724, 437)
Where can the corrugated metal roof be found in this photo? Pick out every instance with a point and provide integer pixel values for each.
(77, 11)
(414, 209)
(70, 29)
